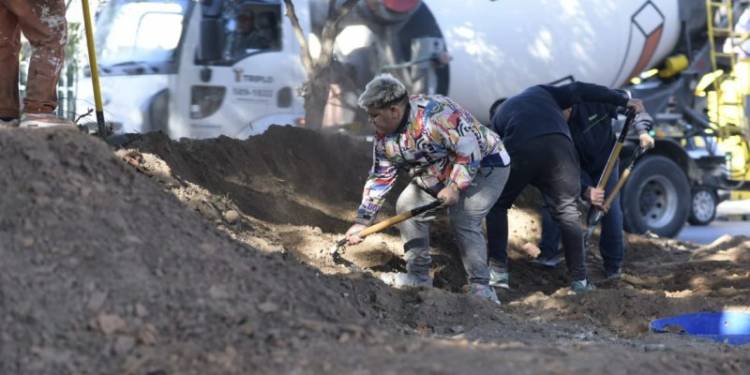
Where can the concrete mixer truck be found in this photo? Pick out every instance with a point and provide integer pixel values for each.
(179, 66)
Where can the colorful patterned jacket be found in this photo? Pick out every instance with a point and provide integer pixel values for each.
(439, 142)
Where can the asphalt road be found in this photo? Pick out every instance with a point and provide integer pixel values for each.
(711, 232)
(727, 222)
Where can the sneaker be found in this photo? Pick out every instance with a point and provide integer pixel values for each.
(9, 124)
(613, 275)
(582, 286)
(405, 280)
(545, 261)
(484, 292)
(499, 277)
(44, 120)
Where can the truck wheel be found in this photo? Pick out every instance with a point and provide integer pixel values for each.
(703, 206)
(656, 198)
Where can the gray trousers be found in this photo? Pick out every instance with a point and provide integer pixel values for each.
(466, 220)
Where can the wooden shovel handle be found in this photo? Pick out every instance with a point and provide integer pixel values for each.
(615, 153)
(393, 220)
(623, 178)
(611, 162)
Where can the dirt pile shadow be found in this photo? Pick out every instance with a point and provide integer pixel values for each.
(288, 176)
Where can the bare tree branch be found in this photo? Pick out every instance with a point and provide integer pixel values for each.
(316, 88)
(300, 35)
(345, 8)
(331, 29)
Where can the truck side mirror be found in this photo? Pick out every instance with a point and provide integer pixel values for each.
(211, 40)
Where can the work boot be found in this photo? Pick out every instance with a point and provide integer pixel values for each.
(484, 292)
(9, 123)
(406, 280)
(546, 261)
(44, 120)
(499, 277)
(582, 286)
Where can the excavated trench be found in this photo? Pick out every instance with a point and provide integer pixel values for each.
(296, 177)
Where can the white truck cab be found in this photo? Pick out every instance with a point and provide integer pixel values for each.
(137, 51)
(156, 75)
(240, 70)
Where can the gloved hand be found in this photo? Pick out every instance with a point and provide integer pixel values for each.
(352, 234)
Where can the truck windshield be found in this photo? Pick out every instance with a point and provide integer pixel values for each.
(139, 34)
(250, 27)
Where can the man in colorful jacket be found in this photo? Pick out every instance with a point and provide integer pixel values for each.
(451, 157)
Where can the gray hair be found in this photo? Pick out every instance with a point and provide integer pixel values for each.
(382, 91)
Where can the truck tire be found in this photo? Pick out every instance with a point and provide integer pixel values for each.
(703, 206)
(656, 198)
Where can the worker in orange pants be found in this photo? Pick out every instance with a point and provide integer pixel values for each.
(43, 23)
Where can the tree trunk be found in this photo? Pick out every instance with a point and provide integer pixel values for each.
(316, 89)
(316, 97)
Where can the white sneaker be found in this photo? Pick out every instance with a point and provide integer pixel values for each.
(405, 280)
(44, 120)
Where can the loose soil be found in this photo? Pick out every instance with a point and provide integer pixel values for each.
(212, 257)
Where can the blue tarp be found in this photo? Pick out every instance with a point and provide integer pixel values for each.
(729, 327)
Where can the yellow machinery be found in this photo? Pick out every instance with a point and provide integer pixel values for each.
(727, 90)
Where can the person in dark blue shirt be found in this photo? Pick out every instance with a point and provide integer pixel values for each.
(536, 134)
(593, 137)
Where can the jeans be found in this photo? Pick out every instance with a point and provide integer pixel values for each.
(466, 221)
(43, 24)
(550, 163)
(611, 246)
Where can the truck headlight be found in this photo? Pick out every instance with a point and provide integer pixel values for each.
(205, 100)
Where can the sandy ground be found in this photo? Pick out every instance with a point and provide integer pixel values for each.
(203, 257)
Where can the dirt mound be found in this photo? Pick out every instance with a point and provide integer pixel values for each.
(131, 263)
(103, 272)
(289, 175)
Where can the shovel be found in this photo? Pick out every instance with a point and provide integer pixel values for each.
(378, 227)
(595, 214)
(101, 128)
